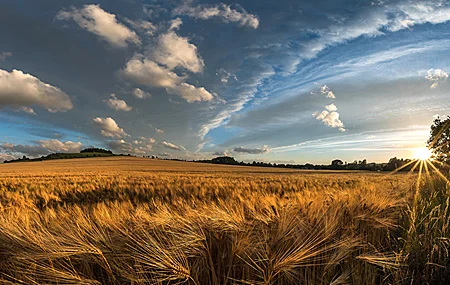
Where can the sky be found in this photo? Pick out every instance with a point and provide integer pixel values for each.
(280, 81)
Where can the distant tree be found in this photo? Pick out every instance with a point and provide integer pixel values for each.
(439, 141)
(337, 162)
(224, 160)
(94, 149)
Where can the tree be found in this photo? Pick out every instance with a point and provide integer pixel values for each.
(439, 141)
(337, 162)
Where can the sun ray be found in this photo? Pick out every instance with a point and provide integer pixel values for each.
(414, 167)
(439, 172)
(400, 168)
(428, 175)
(419, 178)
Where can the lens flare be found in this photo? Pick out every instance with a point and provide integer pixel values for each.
(422, 153)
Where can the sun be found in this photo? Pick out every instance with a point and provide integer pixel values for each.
(422, 153)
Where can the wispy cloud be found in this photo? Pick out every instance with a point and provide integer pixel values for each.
(220, 11)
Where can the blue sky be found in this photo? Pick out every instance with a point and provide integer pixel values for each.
(285, 81)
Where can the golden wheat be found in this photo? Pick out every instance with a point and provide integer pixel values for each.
(144, 221)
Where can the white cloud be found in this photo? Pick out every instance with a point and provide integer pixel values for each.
(241, 149)
(176, 51)
(175, 24)
(159, 131)
(225, 75)
(331, 107)
(147, 72)
(4, 156)
(220, 153)
(27, 110)
(135, 148)
(43, 147)
(171, 146)
(97, 21)
(191, 93)
(327, 91)
(4, 55)
(221, 11)
(393, 18)
(330, 118)
(58, 146)
(416, 13)
(117, 104)
(141, 94)
(144, 140)
(18, 89)
(437, 76)
(109, 128)
(145, 26)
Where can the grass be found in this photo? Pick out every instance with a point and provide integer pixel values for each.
(140, 221)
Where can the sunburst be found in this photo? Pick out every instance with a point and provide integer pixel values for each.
(422, 164)
(422, 153)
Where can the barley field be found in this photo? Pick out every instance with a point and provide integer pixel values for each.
(124, 220)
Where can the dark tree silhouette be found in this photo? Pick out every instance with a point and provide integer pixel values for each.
(337, 162)
(439, 141)
(94, 149)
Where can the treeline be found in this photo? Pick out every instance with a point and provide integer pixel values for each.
(85, 153)
(337, 164)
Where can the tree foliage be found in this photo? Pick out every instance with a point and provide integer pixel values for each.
(439, 141)
(94, 149)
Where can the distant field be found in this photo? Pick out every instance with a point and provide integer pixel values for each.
(111, 165)
(122, 220)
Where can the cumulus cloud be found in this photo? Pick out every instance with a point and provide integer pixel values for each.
(171, 146)
(241, 149)
(331, 107)
(109, 128)
(327, 91)
(437, 76)
(137, 147)
(144, 71)
(101, 23)
(4, 55)
(330, 117)
(18, 90)
(117, 104)
(141, 94)
(144, 140)
(58, 146)
(176, 51)
(221, 11)
(5, 156)
(42, 147)
(147, 72)
(220, 153)
(159, 131)
(191, 93)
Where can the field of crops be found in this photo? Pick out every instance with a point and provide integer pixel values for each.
(123, 220)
